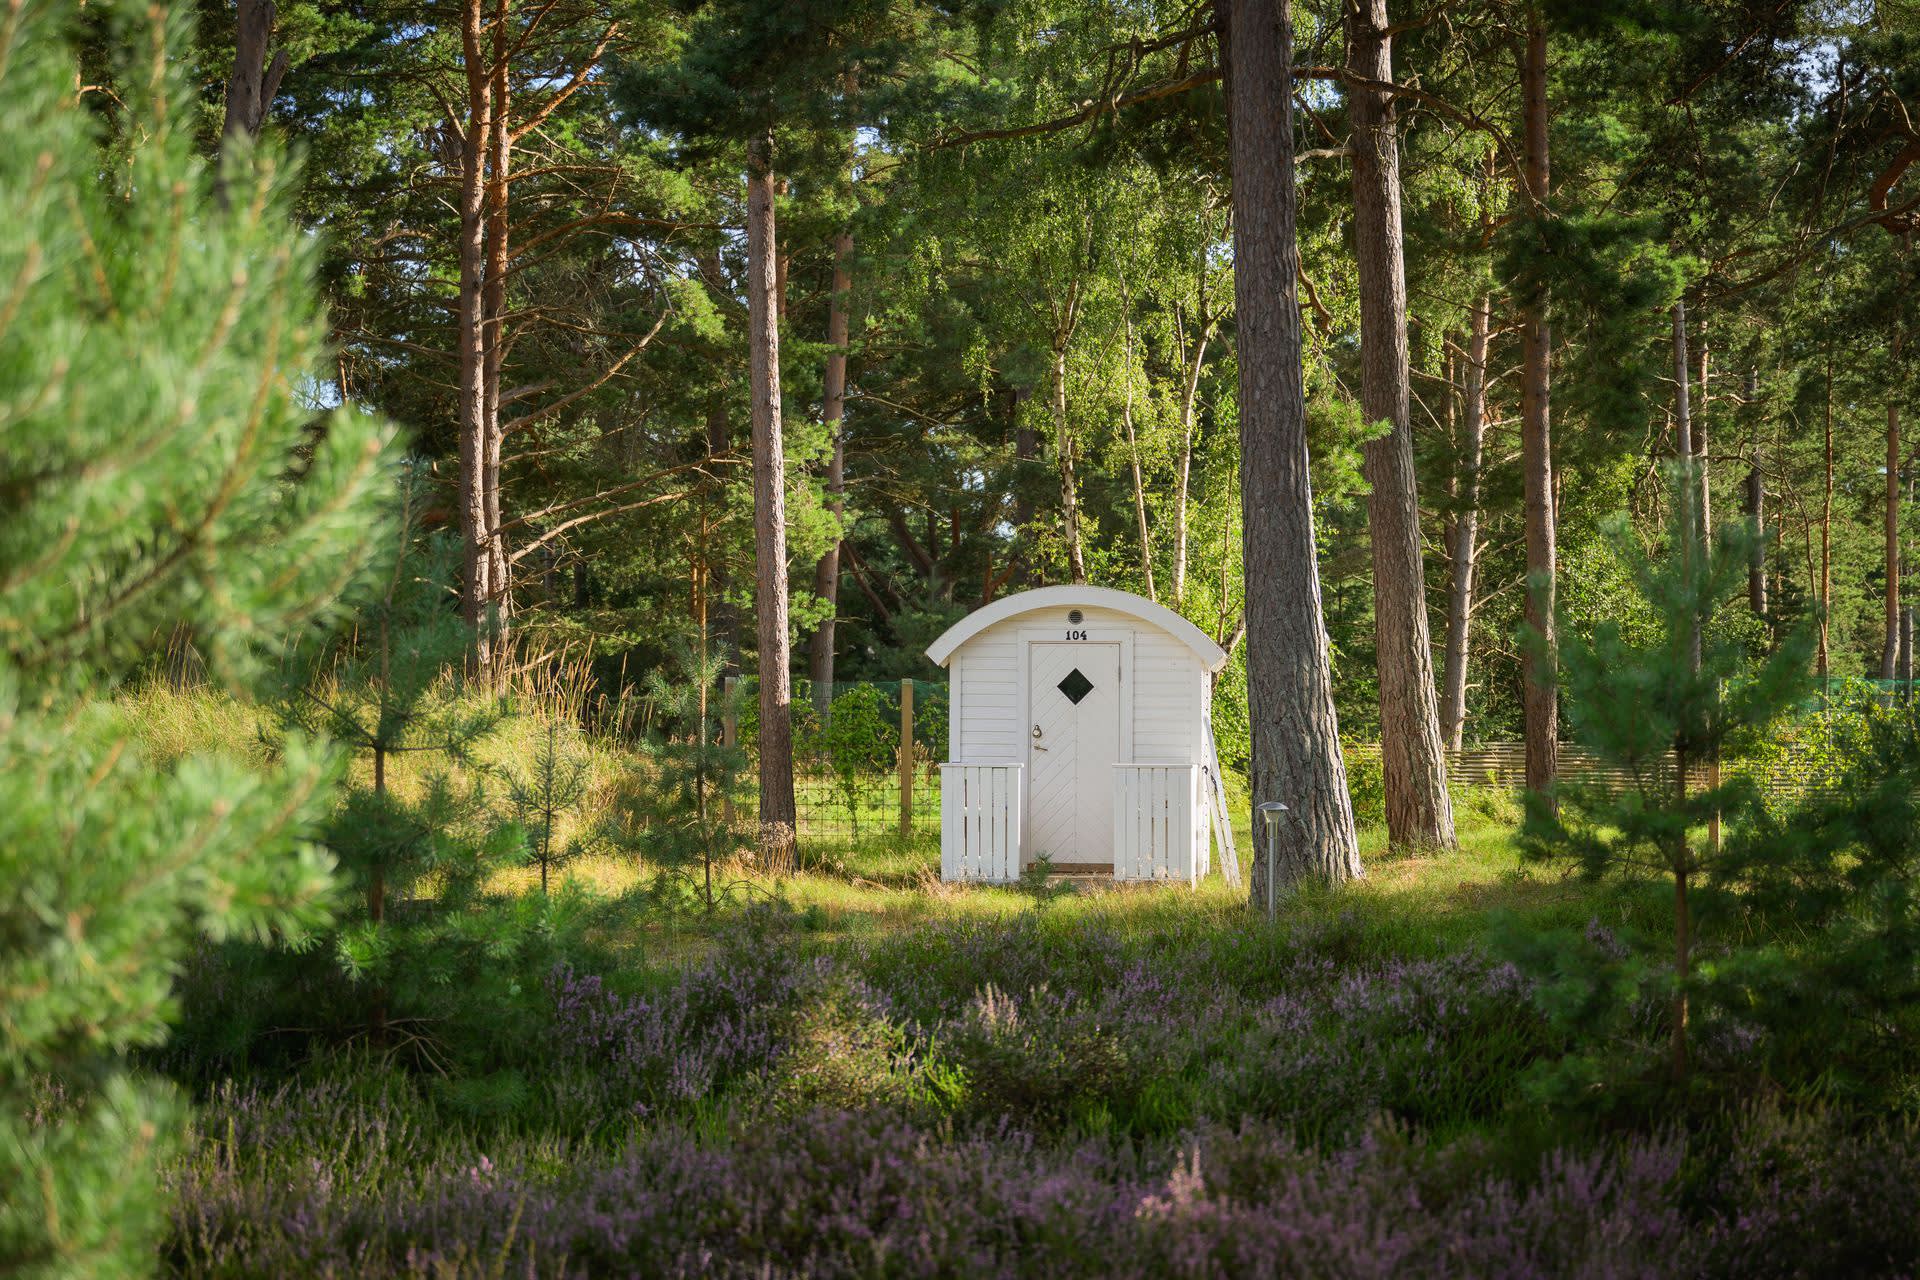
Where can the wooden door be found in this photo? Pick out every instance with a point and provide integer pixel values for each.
(1073, 742)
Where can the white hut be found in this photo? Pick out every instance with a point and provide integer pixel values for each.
(1079, 730)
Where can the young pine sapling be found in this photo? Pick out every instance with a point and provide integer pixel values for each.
(1659, 708)
(691, 822)
(547, 797)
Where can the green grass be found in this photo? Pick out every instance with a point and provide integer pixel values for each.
(882, 883)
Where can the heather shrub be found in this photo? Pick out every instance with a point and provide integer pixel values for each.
(936, 970)
(843, 1050)
(1040, 1057)
(841, 1193)
(1806, 1195)
(1441, 1043)
(687, 1036)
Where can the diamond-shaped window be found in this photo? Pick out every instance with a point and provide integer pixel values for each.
(1075, 686)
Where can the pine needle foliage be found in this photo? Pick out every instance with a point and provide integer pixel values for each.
(691, 824)
(394, 686)
(548, 794)
(1661, 706)
(160, 465)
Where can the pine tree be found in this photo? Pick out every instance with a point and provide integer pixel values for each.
(395, 687)
(1296, 733)
(552, 789)
(691, 823)
(159, 466)
(1660, 708)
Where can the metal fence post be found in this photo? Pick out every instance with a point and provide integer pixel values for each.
(906, 758)
(729, 733)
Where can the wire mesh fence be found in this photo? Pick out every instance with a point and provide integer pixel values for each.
(851, 781)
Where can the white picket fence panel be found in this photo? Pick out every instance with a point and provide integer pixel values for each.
(1157, 834)
(980, 818)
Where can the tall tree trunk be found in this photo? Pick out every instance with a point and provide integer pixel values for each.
(1826, 529)
(1189, 400)
(256, 78)
(1069, 482)
(494, 311)
(1296, 734)
(778, 814)
(1703, 471)
(476, 578)
(1139, 482)
(723, 620)
(1414, 772)
(1890, 656)
(1466, 529)
(1539, 677)
(833, 409)
(1026, 447)
(1756, 506)
(1682, 933)
(1692, 532)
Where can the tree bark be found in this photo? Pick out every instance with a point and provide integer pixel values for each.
(723, 620)
(1414, 772)
(1296, 737)
(1682, 932)
(1826, 528)
(494, 311)
(1139, 482)
(1756, 509)
(1026, 447)
(778, 813)
(1539, 662)
(1064, 461)
(476, 579)
(256, 78)
(1189, 399)
(833, 410)
(1703, 471)
(1466, 529)
(1692, 533)
(1890, 656)
(1063, 456)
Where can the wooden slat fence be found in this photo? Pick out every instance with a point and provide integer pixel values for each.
(980, 822)
(1155, 836)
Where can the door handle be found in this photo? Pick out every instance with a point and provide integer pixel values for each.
(1036, 739)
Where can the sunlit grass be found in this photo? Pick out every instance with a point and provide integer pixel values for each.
(883, 883)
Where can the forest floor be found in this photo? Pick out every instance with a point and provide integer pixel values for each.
(859, 1070)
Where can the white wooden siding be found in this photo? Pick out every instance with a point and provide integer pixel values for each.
(1158, 822)
(980, 818)
(1164, 683)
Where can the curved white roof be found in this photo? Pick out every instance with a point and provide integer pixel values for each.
(1211, 655)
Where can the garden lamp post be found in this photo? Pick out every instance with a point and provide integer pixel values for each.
(1270, 814)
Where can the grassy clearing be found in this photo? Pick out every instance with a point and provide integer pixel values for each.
(867, 889)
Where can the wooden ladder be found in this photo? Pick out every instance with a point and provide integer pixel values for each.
(1222, 820)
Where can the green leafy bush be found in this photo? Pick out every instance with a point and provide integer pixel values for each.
(861, 737)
